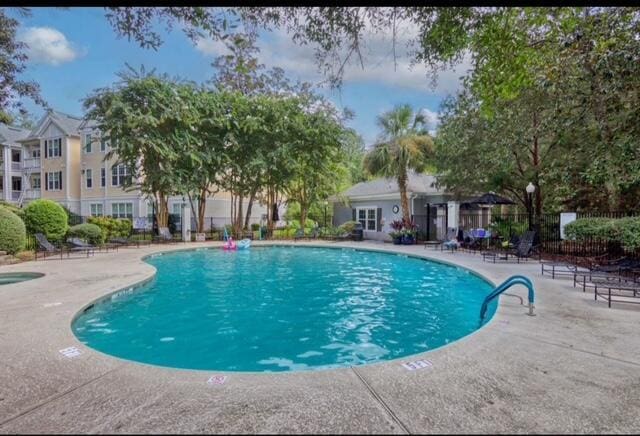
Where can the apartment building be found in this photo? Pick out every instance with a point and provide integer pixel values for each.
(11, 165)
(64, 159)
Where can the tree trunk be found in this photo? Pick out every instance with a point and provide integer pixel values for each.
(202, 206)
(303, 215)
(162, 215)
(249, 206)
(404, 200)
(238, 224)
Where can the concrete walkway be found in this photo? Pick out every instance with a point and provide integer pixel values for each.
(573, 368)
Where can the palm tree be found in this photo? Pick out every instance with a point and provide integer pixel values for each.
(405, 145)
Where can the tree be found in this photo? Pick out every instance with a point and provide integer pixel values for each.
(405, 146)
(12, 64)
(138, 116)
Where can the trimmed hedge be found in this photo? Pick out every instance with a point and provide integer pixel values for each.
(47, 217)
(624, 230)
(112, 227)
(13, 234)
(91, 233)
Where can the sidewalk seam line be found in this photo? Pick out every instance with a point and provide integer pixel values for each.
(56, 397)
(378, 398)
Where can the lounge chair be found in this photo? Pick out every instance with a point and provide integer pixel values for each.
(615, 289)
(79, 243)
(47, 247)
(561, 268)
(123, 242)
(164, 235)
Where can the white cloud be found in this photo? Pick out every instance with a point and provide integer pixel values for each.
(211, 48)
(48, 46)
(278, 50)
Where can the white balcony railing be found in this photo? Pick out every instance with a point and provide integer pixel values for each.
(31, 194)
(31, 163)
(15, 195)
(16, 166)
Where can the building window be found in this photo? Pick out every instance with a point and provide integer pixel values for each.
(122, 210)
(96, 209)
(89, 178)
(103, 145)
(35, 182)
(368, 218)
(119, 173)
(35, 153)
(87, 143)
(54, 181)
(53, 148)
(103, 177)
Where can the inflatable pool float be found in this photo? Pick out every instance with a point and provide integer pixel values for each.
(245, 243)
(230, 244)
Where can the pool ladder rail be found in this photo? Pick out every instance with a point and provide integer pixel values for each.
(511, 281)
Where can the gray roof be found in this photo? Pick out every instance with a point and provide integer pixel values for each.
(69, 124)
(417, 184)
(10, 135)
(88, 124)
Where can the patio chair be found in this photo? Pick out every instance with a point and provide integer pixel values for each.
(523, 250)
(79, 243)
(124, 242)
(47, 247)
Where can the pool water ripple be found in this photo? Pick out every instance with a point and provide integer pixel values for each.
(286, 309)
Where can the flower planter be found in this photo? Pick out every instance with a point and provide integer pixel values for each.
(397, 241)
(408, 240)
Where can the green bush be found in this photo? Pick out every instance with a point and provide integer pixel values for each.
(47, 217)
(348, 226)
(624, 230)
(91, 233)
(13, 208)
(112, 227)
(13, 235)
(586, 228)
(255, 227)
(507, 228)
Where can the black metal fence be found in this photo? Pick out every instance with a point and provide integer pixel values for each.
(547, 227)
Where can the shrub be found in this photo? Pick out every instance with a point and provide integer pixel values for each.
(112, 227)
(587, 228)
(47, 217)
(255, 227)
(624, 230)
(348, 226)
(91, 233)
(507, 228)
(13, 234)
(13, 208)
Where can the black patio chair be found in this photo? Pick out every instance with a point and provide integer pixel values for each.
(523, 250)
(47, 247)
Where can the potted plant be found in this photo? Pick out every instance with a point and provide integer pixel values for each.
(396, 233)
(408, 233)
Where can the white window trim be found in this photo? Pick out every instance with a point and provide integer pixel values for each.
(375, 222)
(33, 179)
(91, 205)
(88, 143)
(46, 145)
(126, 174)
(125, 203)
(88, 171)
(49, 180)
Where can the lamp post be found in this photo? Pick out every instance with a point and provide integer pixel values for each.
(326, 203)
(530, 190)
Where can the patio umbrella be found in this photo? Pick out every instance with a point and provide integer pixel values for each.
(490, 198)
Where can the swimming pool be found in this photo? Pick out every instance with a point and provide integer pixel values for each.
(284, 308)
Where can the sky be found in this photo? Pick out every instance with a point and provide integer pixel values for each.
(74, 51)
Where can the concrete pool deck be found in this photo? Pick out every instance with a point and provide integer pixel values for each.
(573, 368)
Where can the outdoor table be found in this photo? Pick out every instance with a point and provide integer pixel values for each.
(434, 244)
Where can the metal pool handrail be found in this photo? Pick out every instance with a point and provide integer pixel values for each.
(513, 280)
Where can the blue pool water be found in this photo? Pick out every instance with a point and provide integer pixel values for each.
(285, 309)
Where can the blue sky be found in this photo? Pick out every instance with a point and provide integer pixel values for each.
(74, 51)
